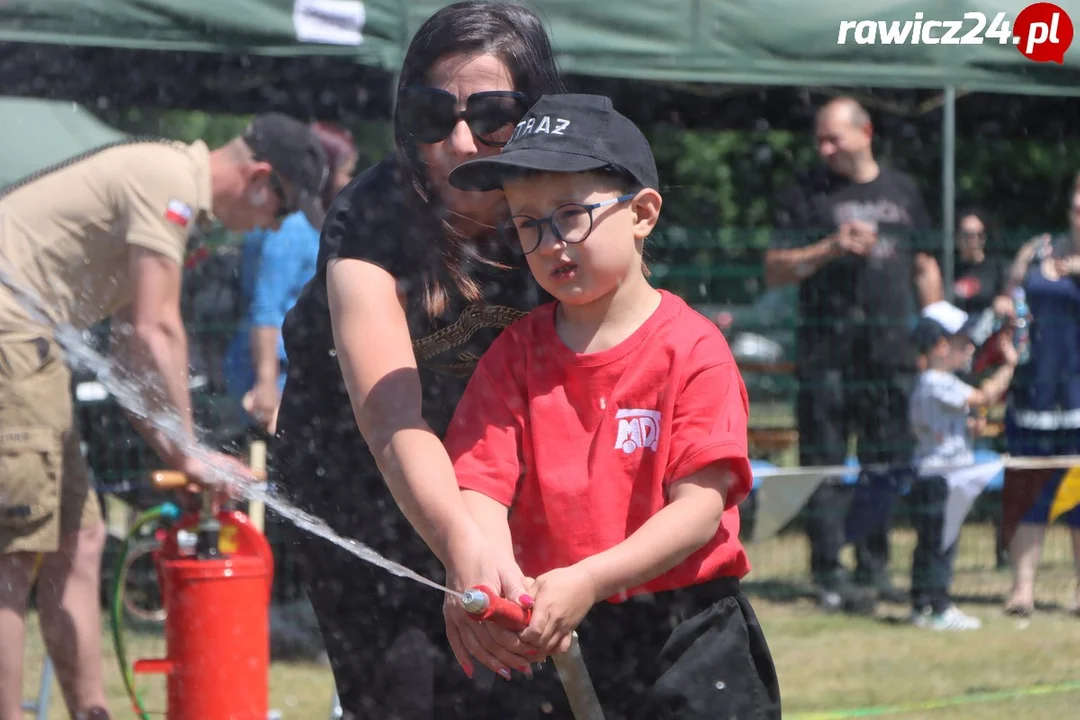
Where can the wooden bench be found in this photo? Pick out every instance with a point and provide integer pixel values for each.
(769, 439)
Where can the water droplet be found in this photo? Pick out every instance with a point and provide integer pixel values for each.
(603, 403)
(720, 685)
(333, 352)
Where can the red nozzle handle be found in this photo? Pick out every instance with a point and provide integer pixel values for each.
(501, 611)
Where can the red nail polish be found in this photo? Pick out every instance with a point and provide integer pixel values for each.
(525, 599)
(468, 672)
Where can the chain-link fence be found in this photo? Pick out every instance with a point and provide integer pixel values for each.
(719, 272)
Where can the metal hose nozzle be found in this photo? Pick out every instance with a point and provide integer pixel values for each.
(475, 601)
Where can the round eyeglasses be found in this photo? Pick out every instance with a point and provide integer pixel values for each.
(571, 223)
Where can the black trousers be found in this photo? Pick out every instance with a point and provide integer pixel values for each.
(385, 638)
(831, 405)
(693, 654)
(932, 566)
(384, 634)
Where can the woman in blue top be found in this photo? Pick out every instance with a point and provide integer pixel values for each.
(1043, 416)
(274, 268)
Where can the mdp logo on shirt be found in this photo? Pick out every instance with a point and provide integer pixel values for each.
(637, 429)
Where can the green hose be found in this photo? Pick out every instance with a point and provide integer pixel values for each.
(168, 512)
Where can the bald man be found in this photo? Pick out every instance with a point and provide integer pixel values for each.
(855, 239)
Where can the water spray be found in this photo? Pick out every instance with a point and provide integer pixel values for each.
(126, 388)
(217, 591)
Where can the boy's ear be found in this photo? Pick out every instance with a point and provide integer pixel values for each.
(646, 207)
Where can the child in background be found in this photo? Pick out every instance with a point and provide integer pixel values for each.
(602, 441)
(943, 411)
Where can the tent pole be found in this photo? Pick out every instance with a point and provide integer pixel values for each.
(948, 190)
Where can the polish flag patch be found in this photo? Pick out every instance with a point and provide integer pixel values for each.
(178, 213)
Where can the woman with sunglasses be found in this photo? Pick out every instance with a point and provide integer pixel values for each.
(980, 276)
(412, 285)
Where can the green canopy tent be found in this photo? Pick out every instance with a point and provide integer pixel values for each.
(765, 42)
(37, 133)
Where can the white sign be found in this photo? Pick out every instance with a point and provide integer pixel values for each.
(329, 22)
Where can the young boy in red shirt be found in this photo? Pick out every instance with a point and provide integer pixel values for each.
(602, 440)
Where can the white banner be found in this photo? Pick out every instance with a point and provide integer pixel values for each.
(965, 484)
(780, 498)
(329, 22)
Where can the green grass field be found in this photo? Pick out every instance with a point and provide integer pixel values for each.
(879, 666)
(824, 663)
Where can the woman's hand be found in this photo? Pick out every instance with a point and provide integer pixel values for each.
(494, 647)
(1067, 266)
(1024, 257)
(1029, 249)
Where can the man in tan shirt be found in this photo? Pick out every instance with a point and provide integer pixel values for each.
(104, 236)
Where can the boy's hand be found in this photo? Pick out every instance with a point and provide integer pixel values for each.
(1008, 350)
(561, 599)
(1004, 307)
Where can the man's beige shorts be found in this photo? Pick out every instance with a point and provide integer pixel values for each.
(44, 482)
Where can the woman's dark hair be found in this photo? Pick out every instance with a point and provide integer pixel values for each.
(340, 147)
(517, 37)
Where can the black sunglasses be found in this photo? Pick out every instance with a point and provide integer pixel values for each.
(277, 186)
(429, 114)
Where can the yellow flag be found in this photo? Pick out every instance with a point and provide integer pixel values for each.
(1068, 494)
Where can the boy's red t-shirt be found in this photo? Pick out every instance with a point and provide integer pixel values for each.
(582, 448)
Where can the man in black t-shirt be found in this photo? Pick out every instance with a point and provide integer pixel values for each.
(854, 238)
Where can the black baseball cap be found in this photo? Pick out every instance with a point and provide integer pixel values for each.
(565, 133)
(296, 155)
(928, 332)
